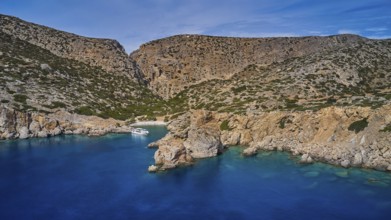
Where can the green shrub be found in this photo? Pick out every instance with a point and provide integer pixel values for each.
(284, 121)
(358, 126)
(238, 89)
(4, 101)
(130, 121)
(57, 104)
(387, 128)
(20, 98)
(224, 126)
(84, 110)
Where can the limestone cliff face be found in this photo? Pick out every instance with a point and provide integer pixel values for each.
(105, 53)
(174, 63)
(332, 135)
(15, 124)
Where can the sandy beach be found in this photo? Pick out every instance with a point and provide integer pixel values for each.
(143, 123)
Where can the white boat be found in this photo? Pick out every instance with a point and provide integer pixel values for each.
(140, 131)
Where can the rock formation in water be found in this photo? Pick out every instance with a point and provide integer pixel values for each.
(338, 135)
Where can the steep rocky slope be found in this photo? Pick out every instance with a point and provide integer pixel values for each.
(174, 63)
(34, 79)
(357, 75)
(42, 69)
(105, 53)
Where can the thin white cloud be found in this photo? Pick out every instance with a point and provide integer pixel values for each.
(376, 29)
(348, 31)
(379, 37)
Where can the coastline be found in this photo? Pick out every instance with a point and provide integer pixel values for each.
(327, 135)
(22, 125)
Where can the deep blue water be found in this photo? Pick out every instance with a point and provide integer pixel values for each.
(78, 177)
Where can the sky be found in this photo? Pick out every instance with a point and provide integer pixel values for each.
(133, 22)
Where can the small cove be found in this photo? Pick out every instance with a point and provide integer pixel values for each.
(79, 177)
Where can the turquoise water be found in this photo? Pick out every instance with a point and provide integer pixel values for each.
(78, 177)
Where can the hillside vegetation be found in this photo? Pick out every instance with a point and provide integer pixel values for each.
(42, 69)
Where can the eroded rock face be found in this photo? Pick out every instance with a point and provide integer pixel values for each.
(316, 136)
(172, 64)
(187, 140)
(203, 142)
(15, 124)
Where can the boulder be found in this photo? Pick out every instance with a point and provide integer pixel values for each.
(34, 127)
(357, 159)
(8, 135)
(51, 125)
(170, 154)
(42, 134)
(24, 133)
(250, 151)
(56, 131)
(153, 145)
(345, 163)
(79, 131)
(97, 132)
(230, 138)
(306, 158)
(202, 143)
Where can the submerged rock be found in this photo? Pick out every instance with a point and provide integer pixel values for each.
(342, 174)
(306, 158)
(311, 174)
(153, 169)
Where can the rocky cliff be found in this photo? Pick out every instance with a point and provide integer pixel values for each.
(15, 124)
(172, 64)
(104, 53)
(342, 136)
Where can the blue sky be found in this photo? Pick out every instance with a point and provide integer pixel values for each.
(134, 22)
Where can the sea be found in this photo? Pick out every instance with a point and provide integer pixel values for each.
(80, 177)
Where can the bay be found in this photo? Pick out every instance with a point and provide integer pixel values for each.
(79, 177)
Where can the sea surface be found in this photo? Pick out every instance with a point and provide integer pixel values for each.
(79, 177)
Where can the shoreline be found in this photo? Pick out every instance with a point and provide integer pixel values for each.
(146, 123)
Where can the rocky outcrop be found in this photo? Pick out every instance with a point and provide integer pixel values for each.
(189, 139)
(326, 135)
(15, 124)
(105, 53)
(172, 64)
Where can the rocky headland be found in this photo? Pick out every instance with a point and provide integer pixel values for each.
(22, 125)
(341, 136)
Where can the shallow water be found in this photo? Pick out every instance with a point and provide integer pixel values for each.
(78, 177)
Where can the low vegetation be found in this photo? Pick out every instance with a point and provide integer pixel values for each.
(224, 126)
(358, 126)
